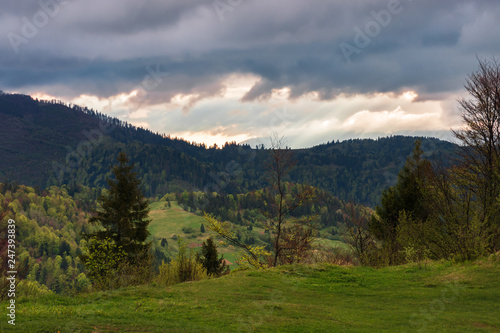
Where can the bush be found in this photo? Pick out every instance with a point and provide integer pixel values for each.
(108, 268)
(333, 255)
(187, 230)
(185, 267)
(32, 289)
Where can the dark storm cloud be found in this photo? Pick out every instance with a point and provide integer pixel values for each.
(105, 47)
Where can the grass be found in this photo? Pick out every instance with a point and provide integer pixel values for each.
(166, 222)
(328, 243)
(321, 298)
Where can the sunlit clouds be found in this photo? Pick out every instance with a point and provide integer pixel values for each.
(182, 68)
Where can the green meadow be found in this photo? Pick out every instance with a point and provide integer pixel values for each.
(168, 221)
(437, 297)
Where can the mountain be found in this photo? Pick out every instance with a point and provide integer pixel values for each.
(44, 143)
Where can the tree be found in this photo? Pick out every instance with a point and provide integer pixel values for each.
(480, 137)
(292, 240)
(356, 220)
(210, 258)
(454, 228)
(124, 212)
(406, 196)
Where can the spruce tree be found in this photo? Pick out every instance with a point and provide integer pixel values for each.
(210, 260)
(123, 217)
(406, 196)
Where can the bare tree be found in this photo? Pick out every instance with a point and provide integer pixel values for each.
(292, 240)
(480, 137)
(356, 221)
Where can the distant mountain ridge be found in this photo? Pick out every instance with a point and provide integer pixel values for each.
(45, 143)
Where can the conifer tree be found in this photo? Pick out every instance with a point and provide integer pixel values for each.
(123, 217)
(210, 258)
(407, 196)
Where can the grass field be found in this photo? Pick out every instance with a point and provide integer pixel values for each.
(166, 222)
(443, 297)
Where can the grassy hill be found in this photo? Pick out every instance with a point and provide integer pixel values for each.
(169, 221)
(323, 298)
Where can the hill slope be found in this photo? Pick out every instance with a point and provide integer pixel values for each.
(324, 298)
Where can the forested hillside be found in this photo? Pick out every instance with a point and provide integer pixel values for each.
(46, 143)
(49, 224)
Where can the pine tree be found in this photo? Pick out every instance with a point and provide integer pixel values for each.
(124, 212)
(210, 258)
(407, 197)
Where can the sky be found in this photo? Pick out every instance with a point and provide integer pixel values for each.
(213, 71)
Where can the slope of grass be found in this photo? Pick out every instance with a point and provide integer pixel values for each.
(167, 221)
(322, 298)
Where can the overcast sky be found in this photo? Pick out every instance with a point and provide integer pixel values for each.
(314, 71)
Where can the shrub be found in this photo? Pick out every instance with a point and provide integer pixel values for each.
(185, 267)
(187, 230)
(32, 289)
(108, 268)
(333, 255)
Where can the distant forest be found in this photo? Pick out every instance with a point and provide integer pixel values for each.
(46, 143)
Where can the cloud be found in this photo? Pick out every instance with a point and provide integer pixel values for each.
(182, 63)
(389, 122)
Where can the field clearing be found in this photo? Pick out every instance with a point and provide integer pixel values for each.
(168, 221)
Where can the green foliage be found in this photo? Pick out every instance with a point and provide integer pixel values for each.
(185, 267)
(437, 213)
(103, 259)
(32, 289)
(48, 227)
(187, 230)
(254, 256)
(357, 219)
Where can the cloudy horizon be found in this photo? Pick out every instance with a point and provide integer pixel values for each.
(238, 70)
